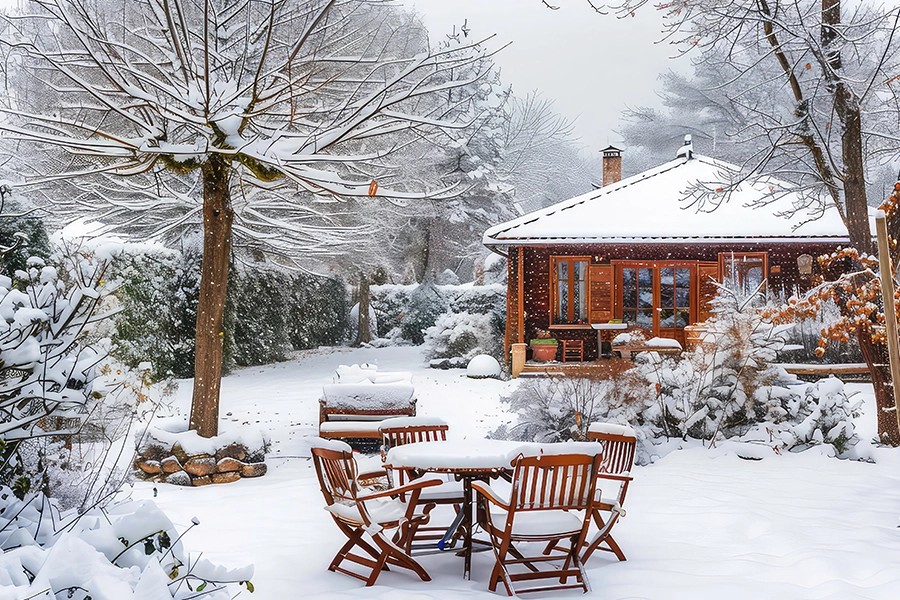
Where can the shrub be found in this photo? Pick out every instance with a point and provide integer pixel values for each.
(426, 304)
(461, 335)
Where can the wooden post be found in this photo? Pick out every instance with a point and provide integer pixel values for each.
(890, 308)
(521, 295)
(518, 359)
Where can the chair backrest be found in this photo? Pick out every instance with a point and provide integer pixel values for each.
(618, 451)
(554, 482)
(397, 432)
(336, 471)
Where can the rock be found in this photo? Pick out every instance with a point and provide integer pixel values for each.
(254, 470)
(236, 451)
(439, 363)
(225, 477)
(198, 467)
(227, 465)
(179, 478)
(171, 465)
(483, 366)
(205, 480)
(179, 453)
(150, 467)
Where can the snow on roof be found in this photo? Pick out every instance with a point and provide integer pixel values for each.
(661, 205)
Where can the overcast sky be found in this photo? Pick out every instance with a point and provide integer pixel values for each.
(593, 66)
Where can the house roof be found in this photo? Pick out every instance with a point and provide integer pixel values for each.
(692, 198)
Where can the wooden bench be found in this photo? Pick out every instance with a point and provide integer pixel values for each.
(354, 407)
(812, 371)
(346, 422)
(627, 351)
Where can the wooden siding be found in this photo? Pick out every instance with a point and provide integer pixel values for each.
(534, 311)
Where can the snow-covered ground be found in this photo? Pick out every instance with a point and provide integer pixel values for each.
(700, 523)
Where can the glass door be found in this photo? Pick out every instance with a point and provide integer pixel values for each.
(658, 297)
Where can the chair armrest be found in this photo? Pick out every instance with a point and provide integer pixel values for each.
(403, 489)
(371, 474)
(488, 492)
(613, 477)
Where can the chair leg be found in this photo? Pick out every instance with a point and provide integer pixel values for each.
(603, 536)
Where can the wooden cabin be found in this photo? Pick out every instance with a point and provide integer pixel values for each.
(645, 250)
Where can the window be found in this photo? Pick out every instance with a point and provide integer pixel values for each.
(659, 296)
(570, 285)
(744, 270)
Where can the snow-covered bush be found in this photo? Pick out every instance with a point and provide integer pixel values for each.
(158, 297)
(825, 413)
(426, 304)
(495, 269)
(268, 313)
(723, 385)
(447, 277)
(389, 303)
(129, 550)
(462, 335)
(393, 305)
(48, 360)
(557, 409)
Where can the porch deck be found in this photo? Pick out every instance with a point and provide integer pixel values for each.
(602, 368)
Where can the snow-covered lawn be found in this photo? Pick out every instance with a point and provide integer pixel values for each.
(700, 523)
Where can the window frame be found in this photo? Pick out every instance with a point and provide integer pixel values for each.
(656, 266)
(726, 256)
(554, 291)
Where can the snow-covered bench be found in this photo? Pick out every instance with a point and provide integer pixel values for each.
(626, 347)
(361, 398)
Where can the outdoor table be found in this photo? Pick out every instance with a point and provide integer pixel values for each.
(601, 327)
(467, 460)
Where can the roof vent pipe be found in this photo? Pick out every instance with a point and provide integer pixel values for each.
(687, 150)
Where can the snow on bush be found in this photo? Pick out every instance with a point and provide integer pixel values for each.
(130, 550)
(394, 307)
(726, 389)
(825, 413)
(426, 304)
(461, 335)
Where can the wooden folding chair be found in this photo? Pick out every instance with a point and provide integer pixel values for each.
(411, 430)
(573, 350)
(366, 518)
(550, 500)
(619, 444)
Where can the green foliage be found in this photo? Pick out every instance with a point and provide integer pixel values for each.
(13, 219)
(268, 314)
(159, 296)
(426, 304)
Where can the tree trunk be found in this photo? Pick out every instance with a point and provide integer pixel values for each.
(877, 361)
(857, 206)
(364, 325)
(218, 218)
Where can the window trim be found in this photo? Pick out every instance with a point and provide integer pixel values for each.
(554, 290)
(656, 265)
(724, 256)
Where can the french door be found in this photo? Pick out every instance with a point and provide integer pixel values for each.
(657, 296)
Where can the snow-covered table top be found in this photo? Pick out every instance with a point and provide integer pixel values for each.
(607, 326)
(475, 455)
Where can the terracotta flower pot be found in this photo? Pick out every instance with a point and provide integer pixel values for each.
(544, 352)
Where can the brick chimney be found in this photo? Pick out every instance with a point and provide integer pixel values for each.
(612, 165)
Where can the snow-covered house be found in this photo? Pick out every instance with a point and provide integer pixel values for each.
(644, 249)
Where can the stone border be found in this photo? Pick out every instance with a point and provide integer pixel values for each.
(174, 465)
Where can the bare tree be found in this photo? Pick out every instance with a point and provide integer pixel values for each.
(198, 105)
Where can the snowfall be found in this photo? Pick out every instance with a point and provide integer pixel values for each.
(700, 523)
